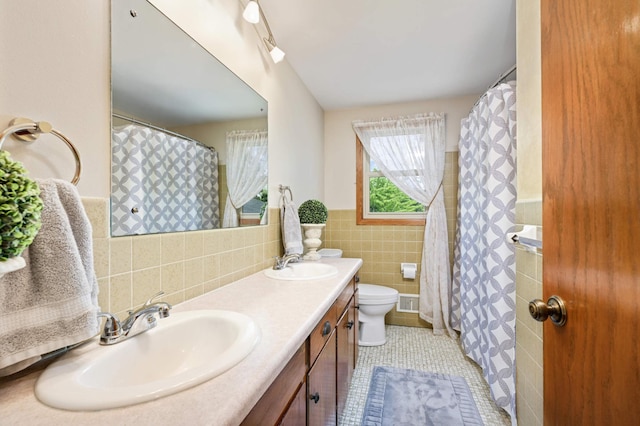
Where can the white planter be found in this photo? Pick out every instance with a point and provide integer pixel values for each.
(312, 241)
(10, 265)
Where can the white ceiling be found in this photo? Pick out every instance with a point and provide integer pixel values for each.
(353, 53)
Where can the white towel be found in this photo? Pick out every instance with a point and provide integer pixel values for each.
(290, 224)
(52, 302)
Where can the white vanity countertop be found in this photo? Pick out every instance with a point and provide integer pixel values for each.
(285, 311)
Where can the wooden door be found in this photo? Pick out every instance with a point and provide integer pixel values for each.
(591, 209)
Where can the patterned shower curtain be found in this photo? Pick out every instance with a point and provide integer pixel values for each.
(483, 288)
(161, 183)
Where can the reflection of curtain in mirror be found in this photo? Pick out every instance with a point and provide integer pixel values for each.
(246, 170)
(172, 182)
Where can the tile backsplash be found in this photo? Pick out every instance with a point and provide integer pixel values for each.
(184, 265)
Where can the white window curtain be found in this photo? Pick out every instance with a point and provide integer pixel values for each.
(410, 152)
(246, 171)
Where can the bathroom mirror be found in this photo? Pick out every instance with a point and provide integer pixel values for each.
(175, 109)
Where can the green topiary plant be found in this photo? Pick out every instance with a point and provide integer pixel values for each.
(312, 211)
(20, 207)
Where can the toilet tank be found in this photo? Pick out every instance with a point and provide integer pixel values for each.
(329, 252)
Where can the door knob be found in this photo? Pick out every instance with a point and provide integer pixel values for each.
(315, 397)
(555, 309)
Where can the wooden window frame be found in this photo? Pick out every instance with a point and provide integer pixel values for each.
(360, 219)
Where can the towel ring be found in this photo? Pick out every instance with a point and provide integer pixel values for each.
(26, 130)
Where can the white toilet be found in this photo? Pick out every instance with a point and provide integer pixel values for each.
(374, 301)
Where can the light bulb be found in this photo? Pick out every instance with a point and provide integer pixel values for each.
(252, 12)
(276, 54)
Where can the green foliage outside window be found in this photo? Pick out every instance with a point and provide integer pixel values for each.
(385, 197)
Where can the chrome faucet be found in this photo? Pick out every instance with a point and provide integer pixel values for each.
(138, 321)
(282, 262)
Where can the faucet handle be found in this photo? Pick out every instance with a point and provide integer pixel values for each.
(112, 328)
(152, 298)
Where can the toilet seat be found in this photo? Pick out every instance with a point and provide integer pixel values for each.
(371, 294)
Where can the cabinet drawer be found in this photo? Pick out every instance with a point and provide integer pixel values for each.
(321, 333)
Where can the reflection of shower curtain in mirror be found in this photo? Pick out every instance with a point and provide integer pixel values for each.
(161, 183)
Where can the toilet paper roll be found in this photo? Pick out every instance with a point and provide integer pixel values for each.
(409, 272)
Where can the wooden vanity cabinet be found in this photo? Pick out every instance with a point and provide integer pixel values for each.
(335, 361)
(312, 389)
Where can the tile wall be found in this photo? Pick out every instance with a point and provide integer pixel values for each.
(383, 248)
(529, 365)
(184, 265)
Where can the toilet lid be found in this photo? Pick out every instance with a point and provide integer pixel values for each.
(370, 292)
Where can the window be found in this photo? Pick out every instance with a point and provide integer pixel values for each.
(252, 211)
(380, 202)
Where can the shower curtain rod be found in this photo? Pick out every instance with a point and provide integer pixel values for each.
(503, 77)
(133, 120)
(500, 79)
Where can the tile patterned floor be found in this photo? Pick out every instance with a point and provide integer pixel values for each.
(419, 349)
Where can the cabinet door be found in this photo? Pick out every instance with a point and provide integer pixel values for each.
(356, 325)
(321, 402)
(274, 402)
(296, 415)
(344, 361)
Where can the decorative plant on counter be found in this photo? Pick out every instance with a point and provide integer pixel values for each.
(312, 211)
(20, 208)
(313, 216)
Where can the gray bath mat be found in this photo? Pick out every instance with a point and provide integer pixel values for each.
(399, 397)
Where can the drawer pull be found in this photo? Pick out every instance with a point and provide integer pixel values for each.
(315, 397)
(357, 278)
(349, 324)
(326, 328)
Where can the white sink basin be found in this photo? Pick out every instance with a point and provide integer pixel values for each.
(183, 350)
(303, 271)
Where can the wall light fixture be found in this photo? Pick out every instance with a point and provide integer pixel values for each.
(252, 13)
